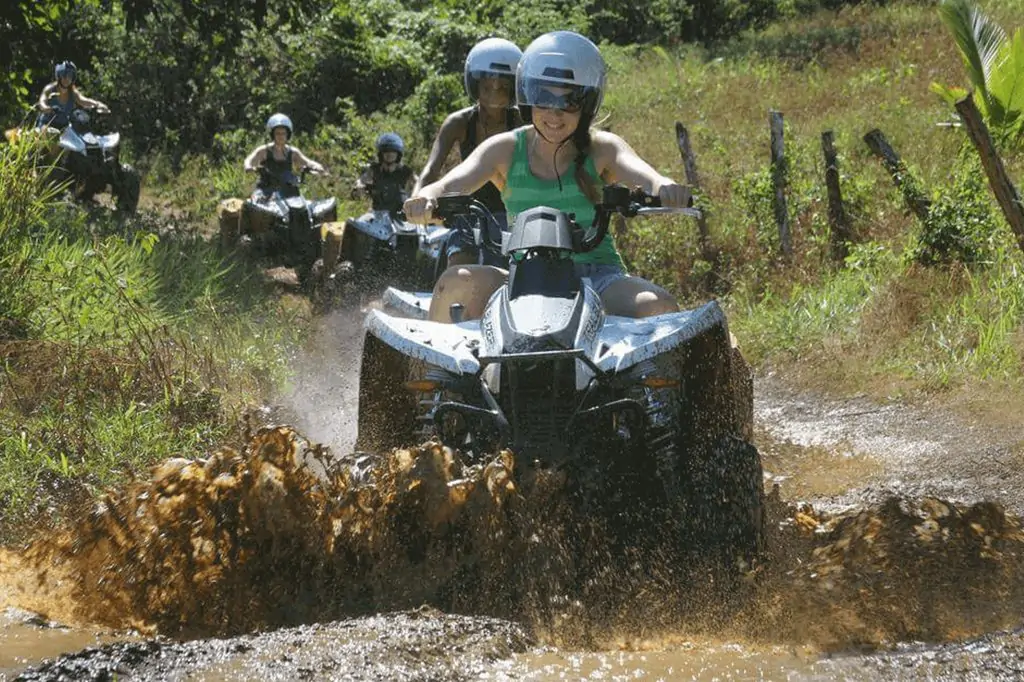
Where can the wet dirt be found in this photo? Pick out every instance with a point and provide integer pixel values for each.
(892, 559)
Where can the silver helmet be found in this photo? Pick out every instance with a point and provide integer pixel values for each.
(279, 121)
(492, 57)
(562, 59)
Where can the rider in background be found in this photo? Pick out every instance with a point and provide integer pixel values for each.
(489, 77)
(387, 180)
(558, 161)
(278, 159)
(61, 97)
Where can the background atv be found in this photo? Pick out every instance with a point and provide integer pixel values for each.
(383, 247)
(650, 414)
(285, 226)
(89, 162)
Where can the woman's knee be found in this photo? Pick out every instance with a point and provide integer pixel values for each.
(649, 303)
(469, 285)
(636, 297)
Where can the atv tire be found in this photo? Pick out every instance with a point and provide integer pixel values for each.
(127, 189)
(726, 513)
(719, 472)
(387, 410)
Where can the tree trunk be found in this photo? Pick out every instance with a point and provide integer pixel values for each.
(779, 182)
(1002, 186)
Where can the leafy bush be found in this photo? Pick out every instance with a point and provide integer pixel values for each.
(962, 224)
(432, 101)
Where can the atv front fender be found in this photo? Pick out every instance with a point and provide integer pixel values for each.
(448, 346)
(626, 341)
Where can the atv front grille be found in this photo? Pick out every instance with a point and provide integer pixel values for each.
(543, 400)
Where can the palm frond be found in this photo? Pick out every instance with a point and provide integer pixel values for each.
(979, 38)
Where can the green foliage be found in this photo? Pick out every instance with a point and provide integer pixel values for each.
(994, 64)
(33, 37)
(431, 103)
(119, 351)
(962, 225)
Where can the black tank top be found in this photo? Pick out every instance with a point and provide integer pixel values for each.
(388, 193)
(278, 170)
(488, 195)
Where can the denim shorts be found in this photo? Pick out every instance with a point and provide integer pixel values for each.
(459, 241)
(601, 275)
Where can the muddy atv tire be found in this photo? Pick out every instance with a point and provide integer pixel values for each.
(719, 484)
(727, 509)
(127, 189)
(387, 410)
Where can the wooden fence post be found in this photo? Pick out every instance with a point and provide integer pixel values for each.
(693, 180)
(779, 182)
(839, 224)
(915, 199)
(1002, 186)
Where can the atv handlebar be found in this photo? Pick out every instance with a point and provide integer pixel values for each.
(615, 199)
(450, 207)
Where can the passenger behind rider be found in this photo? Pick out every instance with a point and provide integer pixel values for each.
(560, 162)
(278, 159)
(61, 97)
(489, 77)
(387, 180)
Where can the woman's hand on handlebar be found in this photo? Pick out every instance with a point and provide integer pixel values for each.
(419, 209)
(673, 195)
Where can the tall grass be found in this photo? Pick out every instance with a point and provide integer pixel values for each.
(119, 348)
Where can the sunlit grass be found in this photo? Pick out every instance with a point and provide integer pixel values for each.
(119, 347)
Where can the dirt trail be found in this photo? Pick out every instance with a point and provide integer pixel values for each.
(853, 452)
(839, 454)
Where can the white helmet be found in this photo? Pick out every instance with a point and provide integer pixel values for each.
(488, 58)
(565, 59)
(279, 121)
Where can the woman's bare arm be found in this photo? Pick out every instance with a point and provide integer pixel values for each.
(451, 131)
(255, 159)
(488, 163)
(304, 160)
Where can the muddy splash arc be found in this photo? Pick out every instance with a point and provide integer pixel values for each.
(279, 532)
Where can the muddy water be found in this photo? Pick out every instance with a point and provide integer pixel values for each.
(249, 541)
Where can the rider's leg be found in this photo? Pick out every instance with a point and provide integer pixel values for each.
(636, 297)
(460, 247)
(625, 295)
(470, 285)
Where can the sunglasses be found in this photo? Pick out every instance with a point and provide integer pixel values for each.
(569, 102)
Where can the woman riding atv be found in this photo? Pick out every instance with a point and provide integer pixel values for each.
(61, 97)
(387, 180)
(276, 162)
(558, 161)
(489, 77)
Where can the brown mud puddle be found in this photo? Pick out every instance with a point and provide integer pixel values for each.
(251, 541)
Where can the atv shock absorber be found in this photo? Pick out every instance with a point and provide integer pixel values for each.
(429, 394)
(660, 405)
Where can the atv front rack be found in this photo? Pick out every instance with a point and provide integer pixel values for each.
(494, 417)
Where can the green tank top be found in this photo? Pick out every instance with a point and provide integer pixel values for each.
(524, 190)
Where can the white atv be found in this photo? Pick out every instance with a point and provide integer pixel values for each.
(385, 244)
(644, 413)
(93, 163)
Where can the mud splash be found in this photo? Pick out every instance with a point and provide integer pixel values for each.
(282, 533)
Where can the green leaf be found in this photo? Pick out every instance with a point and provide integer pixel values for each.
(979, 39)
(950, 94)
(1007, 81)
